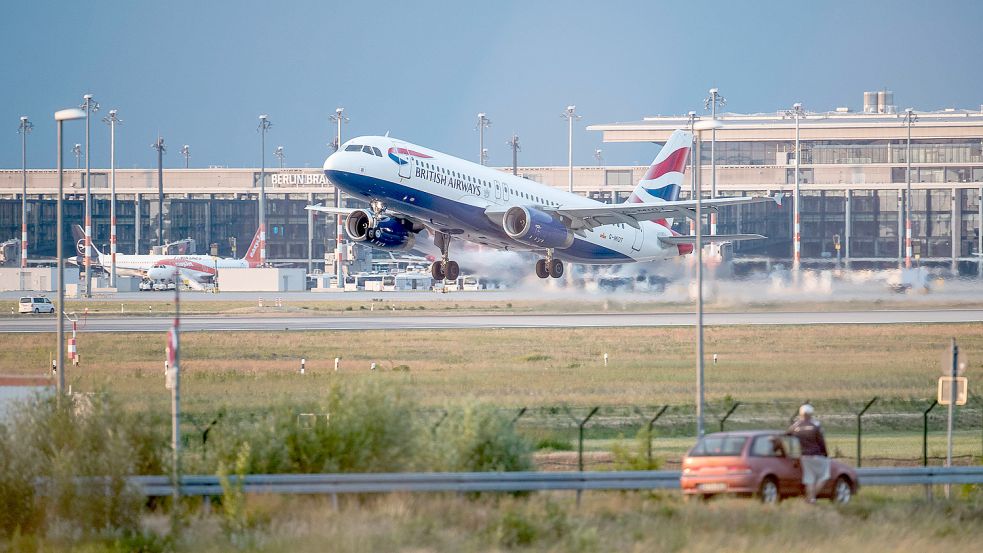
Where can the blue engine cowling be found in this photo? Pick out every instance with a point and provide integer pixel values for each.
(385, 233)
(536, 228)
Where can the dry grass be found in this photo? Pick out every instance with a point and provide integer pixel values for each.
(519, 367)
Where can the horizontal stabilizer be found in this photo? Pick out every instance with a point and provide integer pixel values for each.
(709, 239)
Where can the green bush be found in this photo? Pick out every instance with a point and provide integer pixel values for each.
(628, 456)
(479, 438)
(63, 468)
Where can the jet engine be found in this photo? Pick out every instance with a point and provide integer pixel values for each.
(536, 228)
(385, 233)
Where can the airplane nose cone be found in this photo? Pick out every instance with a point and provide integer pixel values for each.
(331, 163)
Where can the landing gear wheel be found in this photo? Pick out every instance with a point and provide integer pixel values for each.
(437, 270)
(541, 270)
(556, 268)
(451, 270)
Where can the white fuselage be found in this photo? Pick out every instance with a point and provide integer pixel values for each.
(451, 195)
(201, 268)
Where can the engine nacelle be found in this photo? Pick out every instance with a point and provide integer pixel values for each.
(385, 233)
(536, 228)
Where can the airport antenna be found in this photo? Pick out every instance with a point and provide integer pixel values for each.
(514, 144)
(483, 123)
(570, 115)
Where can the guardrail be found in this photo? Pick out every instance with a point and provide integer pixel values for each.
(508, 481)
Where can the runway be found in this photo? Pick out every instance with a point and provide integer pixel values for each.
(45, 323)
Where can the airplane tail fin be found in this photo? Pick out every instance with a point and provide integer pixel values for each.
(79, 235)
(252, 254)
(664, 177)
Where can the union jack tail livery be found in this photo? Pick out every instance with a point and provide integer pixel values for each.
(664, 177)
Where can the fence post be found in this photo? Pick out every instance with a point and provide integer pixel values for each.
(860, 429)
(729, 413)
(652, 423)
(517, 416)
(925, 431)
(580, 440)
(439, 422)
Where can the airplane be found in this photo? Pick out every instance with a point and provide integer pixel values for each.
(198, 268)
(410, 188)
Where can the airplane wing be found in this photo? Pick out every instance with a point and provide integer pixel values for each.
(707, 239)
(333, 210)
(588, 218)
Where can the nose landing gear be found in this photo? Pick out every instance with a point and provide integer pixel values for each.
(549, 267)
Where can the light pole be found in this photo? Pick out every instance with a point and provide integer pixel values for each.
(186, 152)
(77, 150)
(514, 144)
(90, 106)
(711, 103)
(798, 113)
(699, 127)
(112, 120)
(570, 115)
(24, 129)
(264, 125)
(909, 118)
(161, 150)
(691, 120)
(61, 117)
(598, 157)
(338, 118)
(278, 152)
(483, 123)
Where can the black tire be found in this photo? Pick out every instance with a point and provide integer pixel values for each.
(437, 270)
(541, 270)
(452, 270)
(556, 268)
(36, 311)
(842, 491)
(768, 491)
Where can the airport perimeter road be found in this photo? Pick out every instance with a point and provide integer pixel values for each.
(585, 320)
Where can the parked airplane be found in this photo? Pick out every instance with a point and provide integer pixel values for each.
(199, 268)
(411, 188)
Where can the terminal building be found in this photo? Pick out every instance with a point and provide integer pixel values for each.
(853, 172)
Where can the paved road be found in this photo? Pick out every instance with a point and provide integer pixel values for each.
(44, 323)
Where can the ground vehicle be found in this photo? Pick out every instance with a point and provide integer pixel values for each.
(146, 285)
(764, 463)
(35, 304)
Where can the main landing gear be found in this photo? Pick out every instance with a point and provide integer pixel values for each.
(549, 267)
(444, 269)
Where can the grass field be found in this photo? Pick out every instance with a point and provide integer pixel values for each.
(769, 369)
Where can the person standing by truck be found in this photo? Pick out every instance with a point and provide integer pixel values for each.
(815, 458)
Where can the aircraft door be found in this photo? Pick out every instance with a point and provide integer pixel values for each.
(498, 191)
(405, 162)
(639, 237)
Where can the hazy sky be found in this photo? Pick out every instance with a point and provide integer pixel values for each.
(200, 72)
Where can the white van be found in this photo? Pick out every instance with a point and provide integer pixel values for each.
(36, 305)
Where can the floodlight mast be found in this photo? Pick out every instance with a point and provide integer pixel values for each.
(264, 125)
(909, 118)
(186, 152)
(161, 150)
(711, 103)
(514, 144)
(338, 117)
(798, 113)
(77, 151)
(112, 120)
(570, 115)
(483, 123)
(691, 120)
(278, 152)
(90, 106)
(24, 129)
(598, 156)
(60, 117)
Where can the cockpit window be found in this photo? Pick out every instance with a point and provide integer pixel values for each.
(353, 147)
(367, 149)
(376, 151)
